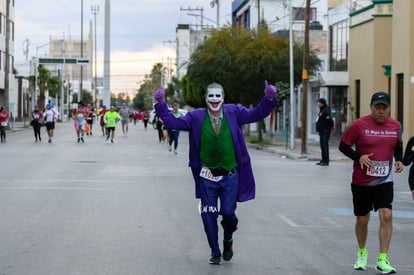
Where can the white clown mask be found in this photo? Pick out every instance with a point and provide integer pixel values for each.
(214, 97)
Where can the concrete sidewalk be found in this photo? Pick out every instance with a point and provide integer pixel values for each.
(280, 146)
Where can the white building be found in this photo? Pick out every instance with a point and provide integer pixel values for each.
(7, 18)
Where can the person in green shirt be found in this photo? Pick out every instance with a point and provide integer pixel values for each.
(111, 118)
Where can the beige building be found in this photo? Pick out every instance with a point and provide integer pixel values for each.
(69, 48)
(381, 59)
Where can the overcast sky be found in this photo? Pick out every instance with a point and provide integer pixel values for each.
(140, 30)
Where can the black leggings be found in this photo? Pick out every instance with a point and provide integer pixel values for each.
(36, 129)
(3, 133)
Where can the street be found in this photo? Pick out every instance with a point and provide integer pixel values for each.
(129, 208)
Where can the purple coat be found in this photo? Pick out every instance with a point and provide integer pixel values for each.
(236, 116)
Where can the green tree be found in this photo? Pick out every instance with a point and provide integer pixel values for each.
(46, 82)
(151, 82)
(241, 60)
(87, 97)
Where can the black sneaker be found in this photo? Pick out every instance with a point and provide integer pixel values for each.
(215, 260)
(82, 140)
(227, 250)
(78, 140)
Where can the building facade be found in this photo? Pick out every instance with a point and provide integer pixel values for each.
(381, 59)
(8, 95)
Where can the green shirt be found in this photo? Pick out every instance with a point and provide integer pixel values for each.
(217, 150)
(111, 118)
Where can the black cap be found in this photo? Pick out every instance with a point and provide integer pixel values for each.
(380, 98)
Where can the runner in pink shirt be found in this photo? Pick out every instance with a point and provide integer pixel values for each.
(378, 151)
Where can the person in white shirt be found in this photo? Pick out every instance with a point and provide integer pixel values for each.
(50, 116)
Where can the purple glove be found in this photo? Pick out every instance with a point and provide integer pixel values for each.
(159, 95)
(270, 91)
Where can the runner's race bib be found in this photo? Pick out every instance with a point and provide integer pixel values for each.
(379, 169)
(80, 115)
(206, 173)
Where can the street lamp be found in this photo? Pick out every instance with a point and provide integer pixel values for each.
(36, 66)
(292, 89)
(216, 3)
(95, 11)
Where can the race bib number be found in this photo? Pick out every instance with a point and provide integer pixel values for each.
(206, 173)
(379, 169)
(80, 115)
(36, 116)
(4, 123)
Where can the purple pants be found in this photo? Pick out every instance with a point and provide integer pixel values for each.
(210, 192)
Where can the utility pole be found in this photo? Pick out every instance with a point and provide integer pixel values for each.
(201, 10)
(81, 54)
(95, 11)
(216, 3)
(292, 118)
(305, 79)
(107, 55)
(7, 56)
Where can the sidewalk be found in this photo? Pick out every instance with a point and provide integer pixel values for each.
(313, 151)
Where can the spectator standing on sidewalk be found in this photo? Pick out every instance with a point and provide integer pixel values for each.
(378, 151)
(324, 125)
(4, 122)
(36, 118)
(219, 159)
(407, 160)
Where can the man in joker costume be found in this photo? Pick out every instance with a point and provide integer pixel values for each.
(219, 159)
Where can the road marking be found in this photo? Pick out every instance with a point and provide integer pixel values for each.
(55, 188)
(332, 222)
(288, 221)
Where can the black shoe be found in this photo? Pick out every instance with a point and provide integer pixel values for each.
(324, 164)
(319, 163)
(215, 260)
(82, 140)
(227, 250)
(78, 140)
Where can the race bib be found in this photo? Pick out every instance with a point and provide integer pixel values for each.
(80, 115)
(4, 123)
(206, 173)
(36, 116)
(379, 169)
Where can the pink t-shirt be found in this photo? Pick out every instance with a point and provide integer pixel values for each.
(379, 139)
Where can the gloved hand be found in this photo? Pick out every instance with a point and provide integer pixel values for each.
(159, 95)
(270, 91)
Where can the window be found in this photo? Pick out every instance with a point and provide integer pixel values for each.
(339, 37)
(299, 14)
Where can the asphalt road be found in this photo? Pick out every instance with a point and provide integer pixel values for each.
(129, 208)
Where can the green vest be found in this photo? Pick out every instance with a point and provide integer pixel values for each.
(217, 150)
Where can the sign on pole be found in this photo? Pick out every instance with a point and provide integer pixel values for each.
(54, 60)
